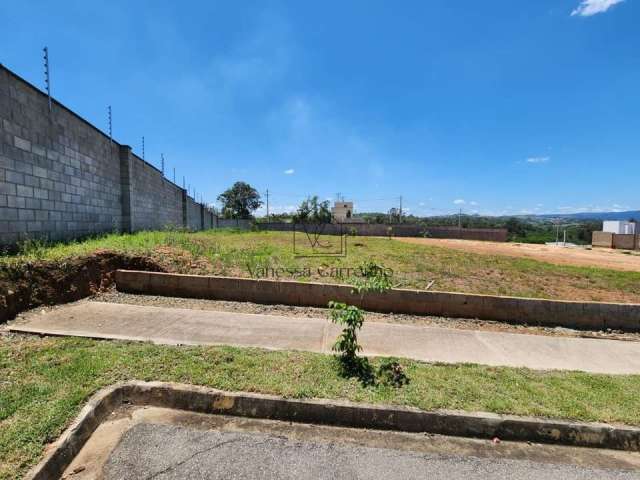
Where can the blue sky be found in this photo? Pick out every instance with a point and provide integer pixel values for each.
(498, 107)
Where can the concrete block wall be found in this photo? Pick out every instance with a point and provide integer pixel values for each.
(155, 201)
(59, 176)
(400, 230)
(614, 240)
(625, 241)
(194, 215)
(237, 223)
(62, 178)
(209, 220)
(602, 239)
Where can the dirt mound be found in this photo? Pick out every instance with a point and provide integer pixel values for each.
(32, 284)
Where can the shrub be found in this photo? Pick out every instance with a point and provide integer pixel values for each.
(374, 278)
(391, 373)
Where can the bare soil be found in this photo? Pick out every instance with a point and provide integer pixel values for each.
(37, 283)
(578, 256)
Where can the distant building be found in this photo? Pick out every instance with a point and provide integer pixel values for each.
(342, 212)
(617, 234)
(620, 227)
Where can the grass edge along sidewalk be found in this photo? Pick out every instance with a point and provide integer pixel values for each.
(45, 382)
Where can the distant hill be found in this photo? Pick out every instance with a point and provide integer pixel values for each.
(594, 215)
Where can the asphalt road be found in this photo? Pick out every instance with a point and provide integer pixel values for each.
(162, 452)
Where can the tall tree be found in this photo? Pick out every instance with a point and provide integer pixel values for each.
(314, 215)
(239, 201)
(313, 211)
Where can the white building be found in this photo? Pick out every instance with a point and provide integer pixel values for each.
(620, 227)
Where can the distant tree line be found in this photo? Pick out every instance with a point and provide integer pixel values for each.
(242, 200)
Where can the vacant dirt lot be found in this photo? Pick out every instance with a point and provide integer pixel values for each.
(600, 258)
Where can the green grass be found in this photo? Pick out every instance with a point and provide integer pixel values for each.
(44, 383)
(240, 253)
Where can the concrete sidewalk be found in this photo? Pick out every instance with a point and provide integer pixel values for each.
(200, 327)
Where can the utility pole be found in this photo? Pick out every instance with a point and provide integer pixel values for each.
(162, 160)
(143, 147)
(460, 219)
(47, 79)
(184, 182)
(400, 209)
(267, 205)
(110, 125)
(174, 175)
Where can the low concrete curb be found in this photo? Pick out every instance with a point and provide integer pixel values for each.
(531, 311)
(343, 414)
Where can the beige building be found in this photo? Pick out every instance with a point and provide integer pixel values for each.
(342, 212)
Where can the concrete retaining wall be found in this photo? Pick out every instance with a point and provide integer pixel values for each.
(62, 178)
(400, 230)
(581, 315)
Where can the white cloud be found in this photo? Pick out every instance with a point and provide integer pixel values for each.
(310, 132)
(594, 208)
(592, 7)
(536, 160)
(289, 171)
(459, 201)
(473, 203)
